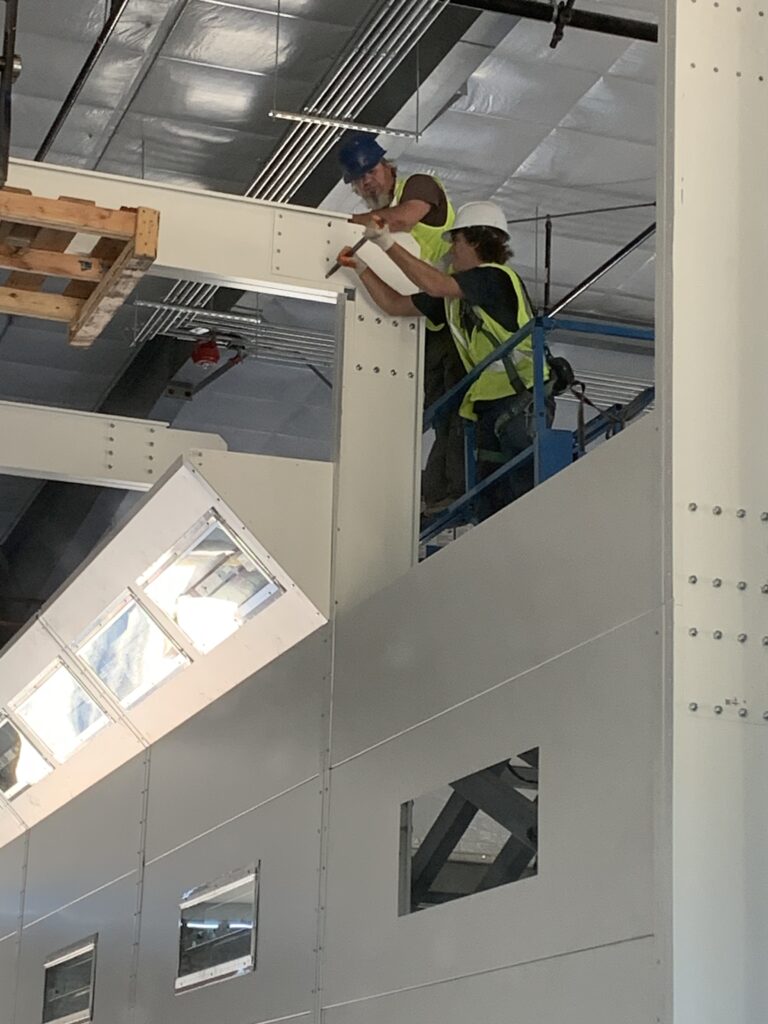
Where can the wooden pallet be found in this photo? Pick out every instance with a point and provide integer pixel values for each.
(35, 237)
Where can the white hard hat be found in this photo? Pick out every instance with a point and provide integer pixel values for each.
(479, 215)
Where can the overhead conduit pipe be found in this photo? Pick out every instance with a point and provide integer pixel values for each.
(592, 21)
(115, 13)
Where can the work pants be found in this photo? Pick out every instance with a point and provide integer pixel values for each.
(503, 430)
(443, 478)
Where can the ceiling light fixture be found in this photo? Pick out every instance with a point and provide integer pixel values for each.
(338, 122)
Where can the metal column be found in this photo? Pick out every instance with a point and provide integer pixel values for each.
(713, 360)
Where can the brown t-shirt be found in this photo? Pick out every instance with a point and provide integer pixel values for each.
(425, 188)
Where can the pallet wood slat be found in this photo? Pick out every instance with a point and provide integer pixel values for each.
(106, 251)
(35, 234)
(50, 240)
(41, 305)
(119, 282)
(47, 263)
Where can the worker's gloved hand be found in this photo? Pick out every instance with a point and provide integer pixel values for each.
(377, 231)
(351, 260)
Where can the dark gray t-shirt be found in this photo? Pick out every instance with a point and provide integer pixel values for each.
(425, 188)
(487, 287)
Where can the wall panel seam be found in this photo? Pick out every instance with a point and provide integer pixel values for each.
(494, 970)
(79, 899)
(497, 686)
(235, 817)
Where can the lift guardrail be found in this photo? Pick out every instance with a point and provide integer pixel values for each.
(551, 450)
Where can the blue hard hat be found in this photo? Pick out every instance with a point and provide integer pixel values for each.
(359, 154)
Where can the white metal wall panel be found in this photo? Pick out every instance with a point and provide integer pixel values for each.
(110, 912)
(594, 714)
(12, 864)
(573, 558)
(91, 842)
(611, 985)
(284, 836)
(9, 957)
(254, 743)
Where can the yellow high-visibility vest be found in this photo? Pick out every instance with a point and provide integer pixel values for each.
(432, 246)
(474, 345)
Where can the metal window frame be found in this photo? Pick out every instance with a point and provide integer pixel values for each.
(40, 749)
(197, 532)
(110, 613)
(231, 968)
(61, 956)
(13, 709)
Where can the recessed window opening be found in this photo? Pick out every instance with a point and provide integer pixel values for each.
(217, 930)
(209, 583)
(129, 652)
(477, 833)
(21, 764)
(57, 709)
(70, 978)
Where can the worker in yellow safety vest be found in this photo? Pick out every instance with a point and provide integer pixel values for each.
(417, 204)
(484, 302)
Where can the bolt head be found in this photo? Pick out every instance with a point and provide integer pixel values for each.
(716, 510)
(764, 517)
(718, 709)
(743, 712)
(741, 585)
(717, 582)
(764, 588)
(765, 641)
(693, 631)
(693, 579)
(740, 513)
(692, 506)
(742, 638)
(765, 716)
(693, 706)
(717, 634)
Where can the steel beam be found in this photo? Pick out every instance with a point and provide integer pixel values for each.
(438, 844)
(496, 796)
(93, 448)
(510, 862)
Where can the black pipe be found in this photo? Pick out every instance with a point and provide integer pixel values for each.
(547, 262)
(6, 85)
(580, 213)
(607, 24)
(602, 270)
(115, 13)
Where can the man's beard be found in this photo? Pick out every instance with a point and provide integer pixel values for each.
(378, 200)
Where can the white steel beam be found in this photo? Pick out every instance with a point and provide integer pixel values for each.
(223, 239)
(714, 361)
(90, 448)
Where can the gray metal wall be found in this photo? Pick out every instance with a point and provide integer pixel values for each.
(540, 628)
